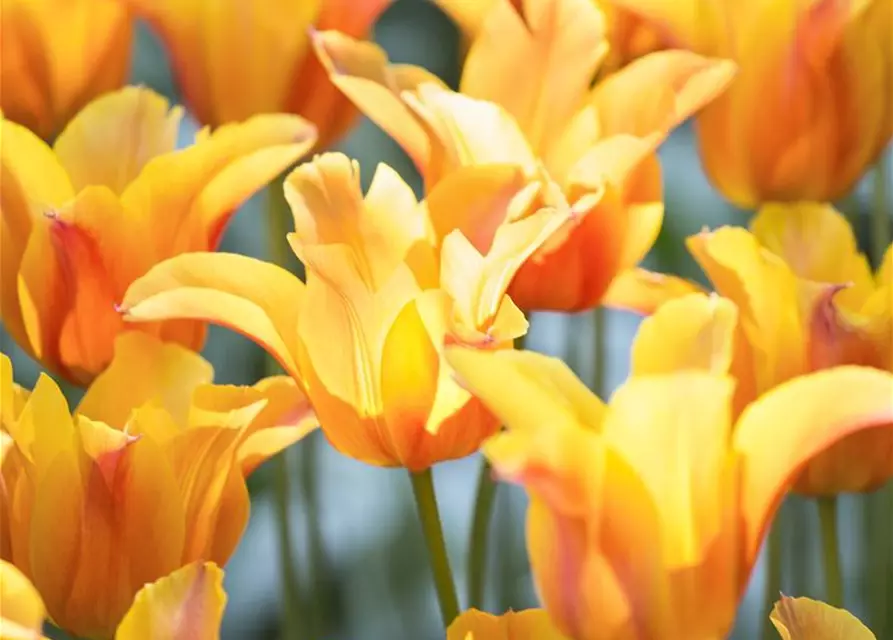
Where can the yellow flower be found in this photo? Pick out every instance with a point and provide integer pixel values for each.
(526, 101)
(647, 514)
(146, 477)
(532, 624)
(389, 281)
(235, 59)
(805, 619)
(808, 301)
(812, 106)
(57, 55)
(81, 220)
(185, 605)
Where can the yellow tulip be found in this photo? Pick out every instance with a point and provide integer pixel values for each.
(57, 55)
(812, 106)
(81, 220)
(185, 605)
(389, 281)
(235, 59)
(532, 624)
(808, 301)
(146, 477)
(526, 101)
(647, 514)
(805, 619)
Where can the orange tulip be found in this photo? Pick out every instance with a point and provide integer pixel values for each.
(812, 106)
(532, 624)
(81, 220)
(57, 55)
(805, 619)
(808, 301)
(526, 100)
(186, 605)
(647, 514)
(389, 280)
(146, 477)
(233, 59)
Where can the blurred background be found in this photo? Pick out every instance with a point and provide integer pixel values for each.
(364, 572)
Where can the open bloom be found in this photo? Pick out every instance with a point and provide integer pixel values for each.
(526, 101)
(146, 477)
(235, 59)
(805, 619)
(57, 55)
(647, 515)
(185, 605)
(812, 106)
(81, 220)
(389, 281)
(531, 624)
(808, 301)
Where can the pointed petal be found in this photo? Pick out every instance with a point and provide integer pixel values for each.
(257, 299)
(530, 624)
(794, 422)
(21, 611)
(186, 605)
(538, 71)
(645, 291)
(144, 370)
(111, 139)
(805, 619)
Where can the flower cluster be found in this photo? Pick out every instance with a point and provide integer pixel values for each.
(542, 191)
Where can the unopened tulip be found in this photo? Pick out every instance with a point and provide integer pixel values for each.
(389, 281)
(146, 477)
(647, 514)
(808, 301)
(531, 624)
(526, 100)
(812, 106)
(234, 59)
(57, 55)
(112, 197)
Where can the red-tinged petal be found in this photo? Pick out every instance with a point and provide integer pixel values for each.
(257, 299)
(644, 291)
(539, 66)
(530, 624)
(21, 610)
(805, 619)
(793, 423)
(186, 605)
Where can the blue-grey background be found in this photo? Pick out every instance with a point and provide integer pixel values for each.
(372, 578)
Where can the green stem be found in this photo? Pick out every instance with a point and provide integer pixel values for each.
(831, 551)
(881, 223)
(774, 553)
(599, 331)
(426, 503)
(480, 534)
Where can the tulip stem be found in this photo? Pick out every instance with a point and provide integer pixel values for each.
(480, 535)
(600, 342)
(426, 503)
(882, 225)
(774, 553)
(831, 550)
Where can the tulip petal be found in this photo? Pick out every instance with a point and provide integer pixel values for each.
(793, 423)
(540, 71)
(111, 139)
(186, 605)
(21, 610)
(144, 370)
(255, 298)
(644, 291)
(530, 624)
(805, 619)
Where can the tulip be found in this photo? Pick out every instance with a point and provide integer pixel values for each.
(805, 619)
(808, 301)
(531, 624)
(57, 55)
(389, 281)
(526, 100)
(647, 514)
(812, 106)
(83, 219)
(186, 605)
(233, 59)
(96, 504)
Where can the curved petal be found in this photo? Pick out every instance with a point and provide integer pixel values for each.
(644, 291)
(21, 610)
(255, 298)
(805, 619)
(794, 422)
(186, 605)
(530, 624)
